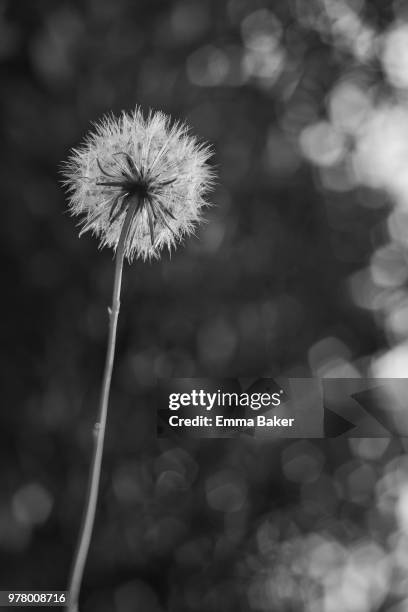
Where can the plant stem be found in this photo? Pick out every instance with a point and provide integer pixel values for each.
(100, 425)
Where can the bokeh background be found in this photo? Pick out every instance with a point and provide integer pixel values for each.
(301, 270)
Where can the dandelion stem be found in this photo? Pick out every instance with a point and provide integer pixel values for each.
(100, 425)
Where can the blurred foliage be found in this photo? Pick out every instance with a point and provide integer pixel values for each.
(300, 270)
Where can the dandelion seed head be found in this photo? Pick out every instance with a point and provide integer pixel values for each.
(151, 161)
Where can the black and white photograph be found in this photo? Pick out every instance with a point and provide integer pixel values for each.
(204, 313)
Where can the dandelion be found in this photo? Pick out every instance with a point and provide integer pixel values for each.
(150, 161)
(139, 184)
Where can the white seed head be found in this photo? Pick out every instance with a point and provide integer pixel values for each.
(150, 161)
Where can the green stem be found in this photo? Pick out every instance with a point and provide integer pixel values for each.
(100, 425)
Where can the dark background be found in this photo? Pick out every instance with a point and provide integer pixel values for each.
(262, 291)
